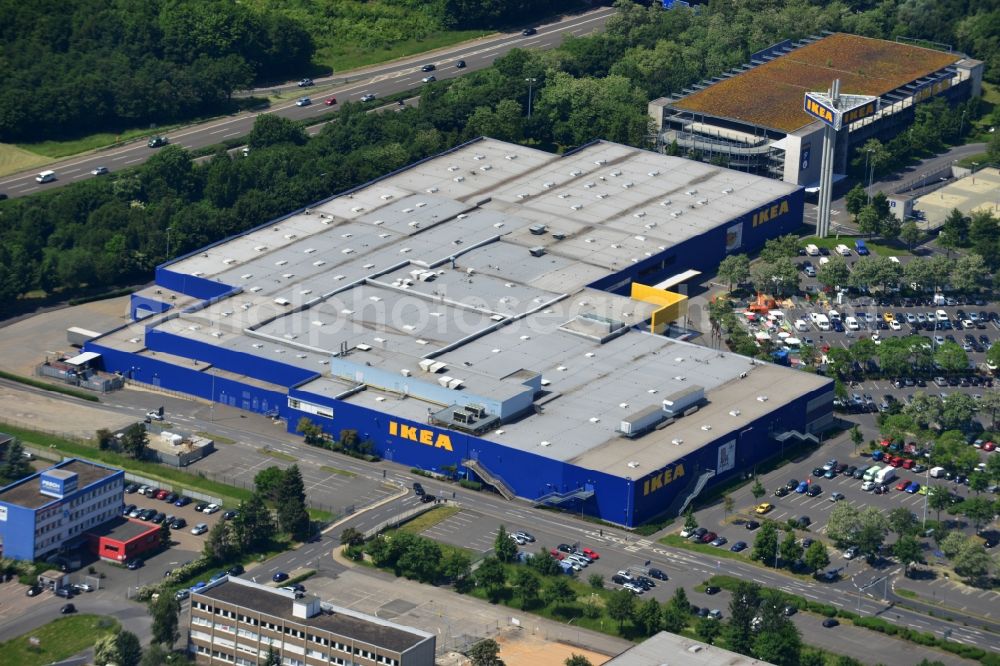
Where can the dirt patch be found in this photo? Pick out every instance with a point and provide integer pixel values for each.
(520, 648)
(55, 415)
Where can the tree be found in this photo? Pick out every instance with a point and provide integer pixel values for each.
(293, 517)
(951, 357)
(504, 547)
(816, 556)
(596, 581)
(491, 575)
(621, 607)
(577, 660)
(545, 564)
(778, 640)
(868, 220)
(734, 270)
(15, 463)
(856, 437)
(164, 534)
(979, 510)
(351, 537)
(742, 610)
(252, 528)
(990, 403)
(456, 566)
(527, 587)
(872, 529)
(969, 273)
(791, 549)
(485, 653)
(971, 561)
(765, 544)
(779, 276)
(419, 558)
(690, 522)
(273, 657)
(673, 619)
(708, 629)
(270, 130)
(902, 521)
(218, 543)
(165, 610)
(559, 593)
(834, 273)
(978, 481)
(842, 525)
(908, 551)
(757, 489)
(679, 601)
(856, 199)
(727, 504)
(782, 247)
(649, 616)
(268, 480)
(135, 440)
(156, 655)
(122, 649)
(910, 234)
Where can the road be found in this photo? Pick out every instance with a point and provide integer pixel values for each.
(381, 80)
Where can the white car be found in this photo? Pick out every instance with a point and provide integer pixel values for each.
(576, 559)
(843, 250)
(100, 171)
(525, 535)
(633, 588)
(518, 539)
(211, 508)
(200, 528)
(685, 533)
(895, 325)
(303, 101)
(868, 485)
(368, 98)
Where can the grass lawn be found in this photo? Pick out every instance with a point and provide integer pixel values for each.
(345, 55)
(429, 519)
(991, 97)
(57, 149)
(973, 160)
(880, 247)
(57, 640)
(337, 471)
(277, 454)
(218, 439)
(15, 158)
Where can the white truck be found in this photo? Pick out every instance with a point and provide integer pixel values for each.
(822, 323)
(812, 250)
(937, 472)
(885, 475)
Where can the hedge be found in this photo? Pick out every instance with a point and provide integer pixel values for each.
(471, 485)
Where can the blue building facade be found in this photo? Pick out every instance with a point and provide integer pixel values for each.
(51, 510)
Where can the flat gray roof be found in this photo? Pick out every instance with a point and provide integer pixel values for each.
(665, 649)
(26, 492)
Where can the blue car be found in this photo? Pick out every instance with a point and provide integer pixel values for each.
(802, 487)
(877, 455)
(279, 577)
(913, 487)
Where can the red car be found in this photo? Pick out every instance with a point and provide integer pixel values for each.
(161, 493)
(330, 101)
(989, 446)
(556, 554)
(897, 462)
(591, 554)
(709, 537)
(888, 458)
(902, 485)
(908, 464)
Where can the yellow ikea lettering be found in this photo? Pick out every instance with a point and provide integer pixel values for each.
(770, 213)
(426, 437)
(661, 479)
(818, 109)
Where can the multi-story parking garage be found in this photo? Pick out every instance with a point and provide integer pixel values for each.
(498, 310)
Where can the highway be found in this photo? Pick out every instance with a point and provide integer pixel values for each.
(382, 80)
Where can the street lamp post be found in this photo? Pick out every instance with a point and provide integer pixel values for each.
(531, 81)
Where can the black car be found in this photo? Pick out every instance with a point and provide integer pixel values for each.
(618, 579)
(427, 499)
(64, 592)
(792, 484)
(428, 68)
(804, 521)
(529, 31)
(460, 64)
(178, 524)
(171, 498)
(157, 141)
(830, 622)
(814, 490)
(34, 591)
(657, 574)
(752, 525)
(698, 534)
(644, 583)
(712, 589)
(739, 546)
(564, 548)
(131, 488)
(818, 472)
(67, 609)
(701, 612)
(418, 489)
(229, 515)
(851, 470)
(807, 542)
(781, 492)
(200, 507)
(134, 564)
(235, 570)
(128, 508)
(790, 610)
(158, 517)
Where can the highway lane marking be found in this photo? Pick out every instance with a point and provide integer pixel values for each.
(231, 134)
(138, 159)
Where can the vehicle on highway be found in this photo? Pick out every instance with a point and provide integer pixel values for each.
(429, 79)
(305, 83)
(762, 508)
(100, 171)
(418, 489)
(279, 577)
(330, 101)
(368, 97)
(460, 64)
(33, 591)
(428, 68)
(46, 176)
(200, 528)
(303, 101)
(529, 31)
(157, 142)
(67, 609)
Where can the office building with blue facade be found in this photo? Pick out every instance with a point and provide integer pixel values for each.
(52, 510)
(496, 310)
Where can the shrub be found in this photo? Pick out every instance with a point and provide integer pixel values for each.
(471, 485)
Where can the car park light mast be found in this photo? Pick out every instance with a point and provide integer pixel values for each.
(833, 109)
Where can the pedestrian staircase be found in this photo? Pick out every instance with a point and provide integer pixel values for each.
(557, 497)
(489, 478)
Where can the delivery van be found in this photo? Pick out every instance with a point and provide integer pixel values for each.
(46, 177)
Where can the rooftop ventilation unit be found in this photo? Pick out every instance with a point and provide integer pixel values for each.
(588, 185)
(653, 174)
(510, 157)
(453, 168)
(257, 345)
(431, 190)
(559, 235)
(357, 209)
(282, 262)
(318, 263)
(641, 213)
(537, 251)
(478, 157)
(282, 301)
(762, 398)
(459, 179)
(405, 372)
(363, 347)
(677, 403)
(385, 197)
(628, 184)
(247, 276)
(260, 248)
(545, 443)
(485, 167)
(665, 202)
(734, 412)
(601, 162)
(728, 190)
(677, 442)
(229, 262)
(308, 250)
(291, 236)
(548, 184)
(677, 213)
(537, 229)
(616, 173)
(691, 193)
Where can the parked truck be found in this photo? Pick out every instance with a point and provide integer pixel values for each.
(937, 472)
(885, 475)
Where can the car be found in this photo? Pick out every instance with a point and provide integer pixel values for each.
(803, 521)
(519, 540)
(529, 31)
(658, 574)
(427, 498)
(840, 468)
(564, 548)
(131, 488)
(158, 518)
(157, 141)
(183, 594)
(303, 101)
(428, 68)
(67, 609)
(836, 496)
(368, 97)
(633, 588)
(33, 591)
(646, 583)
(739, 546)
(763, 508)
(851, 470)
(781, 491)
(819, 471)
(178, 524)
(200, 528)
(211, 508)
(279, 577)
(802, 487)
(134, 564)
(183, 500)
(589, 553)
(305, 83)
(989, 446)
(902, 484)
(418, 489)
(148, 514)
(330, 101)
(868, 485)
(527, 537)
(700, 612)
(170, 498)
(830, 474)
(460, 64)
(715, 614)
(719, 541)
(556, 554)
(792, 484)
(127, 509)
(851, 553)
(229, 515)
(618, 579)
(200, 507)
(3, 196)
(913, 488)
(100, 171)
(712, 589)
(217, 575)
(429, 79)
(136, 512)
(708, 537)
(751, 525)
(814, 490)
(687, 532)
(161, 494)
(830, 623)
(698, 534)
(790, 610)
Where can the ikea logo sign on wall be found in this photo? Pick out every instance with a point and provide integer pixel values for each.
(662, 479)
(771, 212)
(824, 113)
(422, 435)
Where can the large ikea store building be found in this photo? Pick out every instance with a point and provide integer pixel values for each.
(498, 309)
